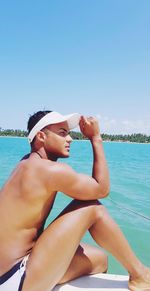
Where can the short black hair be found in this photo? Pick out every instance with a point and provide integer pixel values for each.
(33, 119)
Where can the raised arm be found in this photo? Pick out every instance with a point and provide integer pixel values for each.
(90, 128)
(82, 186)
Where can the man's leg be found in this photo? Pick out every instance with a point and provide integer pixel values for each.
(118, 246)
(56, 247)
(87, 260)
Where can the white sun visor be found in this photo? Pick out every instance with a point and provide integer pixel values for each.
(53, 118)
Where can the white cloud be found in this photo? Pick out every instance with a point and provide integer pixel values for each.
(136, 126)
(127, 126)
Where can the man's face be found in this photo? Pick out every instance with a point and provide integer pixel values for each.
(58, 139)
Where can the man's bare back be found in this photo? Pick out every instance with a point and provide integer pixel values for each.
(27, 200)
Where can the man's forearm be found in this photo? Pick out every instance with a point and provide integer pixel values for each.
(100, 169)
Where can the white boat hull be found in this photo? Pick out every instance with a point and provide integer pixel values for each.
(101, 282)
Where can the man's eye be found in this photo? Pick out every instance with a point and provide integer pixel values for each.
(62, 133)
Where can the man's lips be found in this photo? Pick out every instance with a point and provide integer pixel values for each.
(67, 147)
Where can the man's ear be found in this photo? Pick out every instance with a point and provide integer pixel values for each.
(41, 136)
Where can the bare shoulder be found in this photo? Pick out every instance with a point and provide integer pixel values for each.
(61, 174)
(52, 175)
(57, 176)
(74, 184)
(43, 164)
(50, 172)
(59, 170)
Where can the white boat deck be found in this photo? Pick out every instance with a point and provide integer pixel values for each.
(101, 282)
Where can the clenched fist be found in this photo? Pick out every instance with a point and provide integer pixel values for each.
(89, 127)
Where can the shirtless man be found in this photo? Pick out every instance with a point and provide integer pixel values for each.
(35, 260)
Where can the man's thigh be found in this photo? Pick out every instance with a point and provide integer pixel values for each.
(56, 246)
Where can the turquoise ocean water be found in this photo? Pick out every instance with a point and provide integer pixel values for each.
(129, 166)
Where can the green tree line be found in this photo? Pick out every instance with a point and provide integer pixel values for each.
(137, 137)
(13, 132)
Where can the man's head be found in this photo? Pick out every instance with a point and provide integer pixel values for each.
(45, 127)
(34, 119)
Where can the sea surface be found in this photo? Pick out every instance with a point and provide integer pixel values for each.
(129, 166)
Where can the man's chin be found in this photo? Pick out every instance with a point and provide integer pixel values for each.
(64, 156)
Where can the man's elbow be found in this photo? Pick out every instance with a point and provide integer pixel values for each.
(104, 192)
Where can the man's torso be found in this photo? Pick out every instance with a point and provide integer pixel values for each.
(25, 202)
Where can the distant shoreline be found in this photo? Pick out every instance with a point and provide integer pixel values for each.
(13, 136)
(82, 140)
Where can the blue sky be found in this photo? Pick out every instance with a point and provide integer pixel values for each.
(86, 56)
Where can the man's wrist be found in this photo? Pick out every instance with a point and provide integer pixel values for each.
(96, 138)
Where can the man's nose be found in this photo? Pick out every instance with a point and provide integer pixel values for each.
(69, 138)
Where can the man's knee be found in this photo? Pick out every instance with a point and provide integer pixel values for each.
(100, 212)
(96, 208)
(93, 207)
